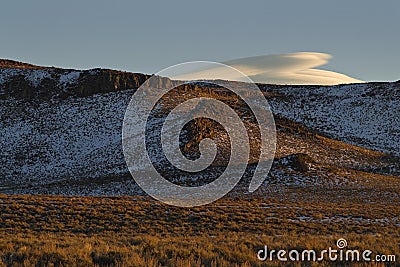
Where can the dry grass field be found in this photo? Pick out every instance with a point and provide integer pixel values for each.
(139, 231)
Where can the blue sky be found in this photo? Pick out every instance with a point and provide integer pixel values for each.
(147, 36)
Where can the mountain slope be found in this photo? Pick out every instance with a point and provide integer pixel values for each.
(60, 132)
(361, 114)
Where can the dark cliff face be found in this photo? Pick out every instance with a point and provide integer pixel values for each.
(26, 81)
(87, 83)
(104, 81)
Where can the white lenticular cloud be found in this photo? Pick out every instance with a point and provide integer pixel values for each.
(296, 68)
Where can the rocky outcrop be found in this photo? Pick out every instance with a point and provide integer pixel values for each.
(26, 81)
(104, 81)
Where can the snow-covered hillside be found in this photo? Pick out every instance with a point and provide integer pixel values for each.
(57, 140)
(68, 144)
(366, 115)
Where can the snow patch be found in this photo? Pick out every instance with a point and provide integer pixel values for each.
(35, 77)
(69, 78)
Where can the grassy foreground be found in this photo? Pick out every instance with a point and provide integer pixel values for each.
(138, 231)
